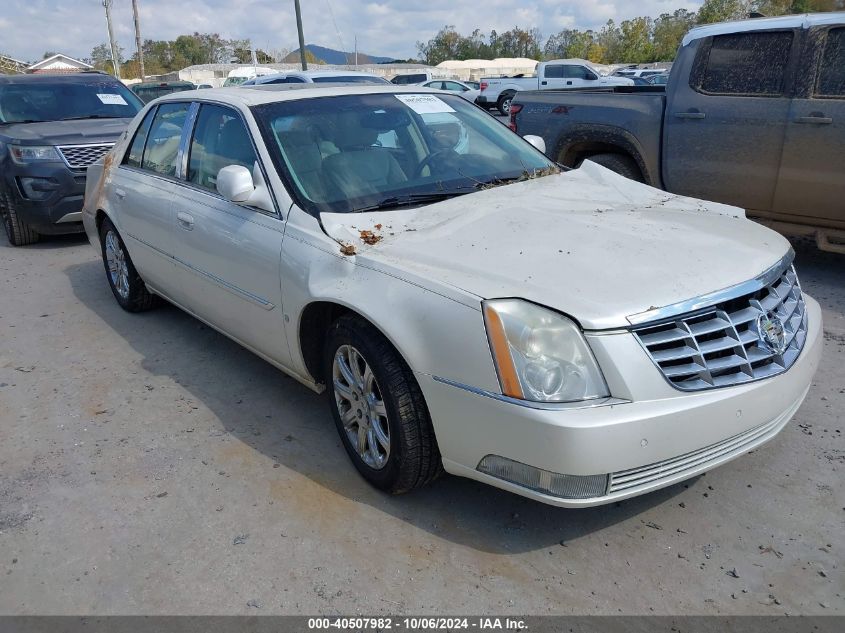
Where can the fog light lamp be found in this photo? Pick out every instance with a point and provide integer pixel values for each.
(539, 480)
(38, 188)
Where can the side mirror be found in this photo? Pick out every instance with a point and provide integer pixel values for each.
(237, 184)
(536, 141)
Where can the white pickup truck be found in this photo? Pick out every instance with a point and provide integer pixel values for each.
(555, 74)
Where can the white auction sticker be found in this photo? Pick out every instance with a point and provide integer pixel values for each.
(110, 99)
(425, 104)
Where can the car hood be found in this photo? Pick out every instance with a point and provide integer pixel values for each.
(77, 132)
(588, 242)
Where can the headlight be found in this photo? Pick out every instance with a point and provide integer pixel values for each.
(23, 154)
(541, 355)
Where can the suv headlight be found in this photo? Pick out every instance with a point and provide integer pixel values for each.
(23, 154)
(541, 355)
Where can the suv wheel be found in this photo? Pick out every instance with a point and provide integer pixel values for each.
(18, 232)
(378, 408)
(504, 103)
(126, 284)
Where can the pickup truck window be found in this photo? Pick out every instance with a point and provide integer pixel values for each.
(751, 64)
(163, 140)
(136, 150)
(831, 82)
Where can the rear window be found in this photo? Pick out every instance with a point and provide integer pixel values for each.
(409, 79)
(751, 64)
(357, 79)
(831, 81)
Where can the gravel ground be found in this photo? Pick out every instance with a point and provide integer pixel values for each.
(149, 465)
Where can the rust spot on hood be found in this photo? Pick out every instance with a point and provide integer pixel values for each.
(347, 249)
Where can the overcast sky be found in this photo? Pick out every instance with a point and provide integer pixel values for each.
(390, 28)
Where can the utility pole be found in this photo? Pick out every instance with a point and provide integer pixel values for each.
(114, 56)
(138, 38)
(356, 50)
(301, 35)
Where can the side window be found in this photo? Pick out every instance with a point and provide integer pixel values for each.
(576, 72)
(451, 85)
(831, 81)
(220, 139)
(295, 80)
(554, 72)
(751, 64)
(162, 146)
(136, 150)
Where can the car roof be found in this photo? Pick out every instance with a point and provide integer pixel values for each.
(69, 78)
(247, 96)
(806, 20)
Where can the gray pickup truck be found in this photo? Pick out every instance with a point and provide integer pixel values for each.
(753, 116)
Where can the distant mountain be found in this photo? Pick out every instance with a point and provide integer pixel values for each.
(332, 56)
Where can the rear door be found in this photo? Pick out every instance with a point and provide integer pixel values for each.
(812, 173)
(724, 128)
(143, 188)
(228, 254)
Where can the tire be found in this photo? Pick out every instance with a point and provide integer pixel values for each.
(18, 232)
(411, 458)
(504, 103)
(125, 282)
(620, 163)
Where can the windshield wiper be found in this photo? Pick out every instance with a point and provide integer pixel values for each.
(24, 121)
(411, 198)
(91, 116)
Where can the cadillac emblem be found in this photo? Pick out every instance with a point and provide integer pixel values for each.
(771, 332)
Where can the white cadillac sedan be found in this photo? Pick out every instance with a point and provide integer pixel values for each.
(465, 305)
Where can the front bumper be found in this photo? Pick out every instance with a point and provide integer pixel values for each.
(641, 445)
(59, 212)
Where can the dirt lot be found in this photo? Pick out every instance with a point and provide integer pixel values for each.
(150, 465)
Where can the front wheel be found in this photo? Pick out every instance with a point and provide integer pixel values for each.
(620, 163)
(18, 232)
(125, 282)
(378, 408)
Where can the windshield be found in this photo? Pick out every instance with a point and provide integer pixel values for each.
(358, 79)
(33, 101)
(234, 81)
(353, 153)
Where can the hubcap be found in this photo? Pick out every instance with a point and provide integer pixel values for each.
(116, 261)
(361, 406)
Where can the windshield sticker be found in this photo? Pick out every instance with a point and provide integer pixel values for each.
(109, 99)
(425, 104)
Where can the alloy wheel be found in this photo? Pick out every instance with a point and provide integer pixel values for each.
(116, 261)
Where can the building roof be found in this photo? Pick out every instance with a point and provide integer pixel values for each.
(59, 62)
(806, 21)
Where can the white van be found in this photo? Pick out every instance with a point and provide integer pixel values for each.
(244, 73)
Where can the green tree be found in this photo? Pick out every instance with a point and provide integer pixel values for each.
(101, 58)
(669, 30)
(723, 10)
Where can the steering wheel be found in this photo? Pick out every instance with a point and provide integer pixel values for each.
(426, 162)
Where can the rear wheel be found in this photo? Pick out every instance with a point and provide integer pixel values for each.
(504, 103)
(378, 408)
(18, 232)
(125, 282)
(620, 163)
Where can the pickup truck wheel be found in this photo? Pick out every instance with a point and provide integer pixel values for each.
(125, 282)
(504, 103)
(621, 164)
(18, 232)
(378, 408)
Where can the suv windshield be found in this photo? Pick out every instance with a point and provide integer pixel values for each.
(33, 101)
(353, 153)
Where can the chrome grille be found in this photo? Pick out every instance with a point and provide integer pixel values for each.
(80, 156)
(724, 344)
(635, 477)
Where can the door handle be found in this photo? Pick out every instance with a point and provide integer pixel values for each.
(544, 83)
(568, 83)
(185, 220)
(690, 115)
(818, 120)
(120, 193)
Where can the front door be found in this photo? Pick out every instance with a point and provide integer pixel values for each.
(228, 254)
(812, 172)
(723, 130)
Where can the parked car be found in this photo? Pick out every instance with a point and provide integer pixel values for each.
(147, 91)
(461, 88)
(658, 80)
(317, 76)
(436, 277)
(51, 128)
(552, 75)
(638, 72)
(754, 116)
(239, 75)
(418, 77)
